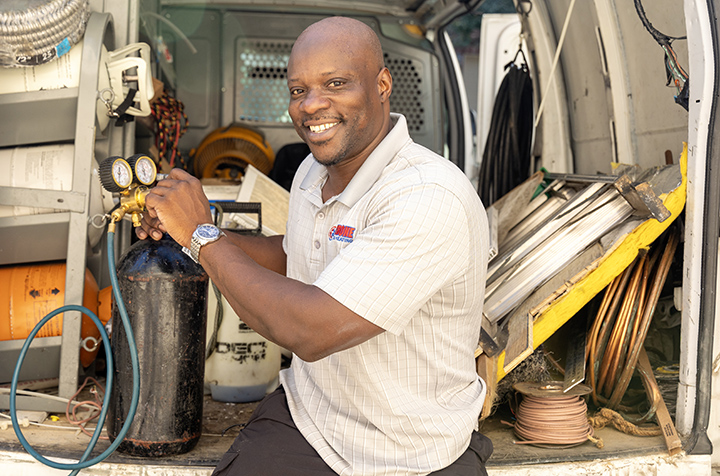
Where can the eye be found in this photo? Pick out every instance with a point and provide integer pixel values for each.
(296, 92)
(336, 83)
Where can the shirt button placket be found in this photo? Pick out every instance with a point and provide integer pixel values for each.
(319, 233)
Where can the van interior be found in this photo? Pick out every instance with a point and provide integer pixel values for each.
(605, 104)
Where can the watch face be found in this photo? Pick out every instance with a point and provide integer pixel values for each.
(207, 231)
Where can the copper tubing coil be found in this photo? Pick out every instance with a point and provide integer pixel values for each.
(621, 324)
(552, 421)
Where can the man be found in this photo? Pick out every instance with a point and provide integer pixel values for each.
(376, 288)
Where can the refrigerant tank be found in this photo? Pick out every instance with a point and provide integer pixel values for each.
(29, 292)
(165, 293)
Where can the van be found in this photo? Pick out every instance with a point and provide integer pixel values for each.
(609, 90)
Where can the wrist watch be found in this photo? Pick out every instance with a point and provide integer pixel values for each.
(203, 235)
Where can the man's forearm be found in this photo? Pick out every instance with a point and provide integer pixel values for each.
(297, 316)
(267, 251)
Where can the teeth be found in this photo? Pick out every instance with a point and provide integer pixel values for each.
(322, 127)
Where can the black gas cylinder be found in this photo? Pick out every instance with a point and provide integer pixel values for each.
(165, 293)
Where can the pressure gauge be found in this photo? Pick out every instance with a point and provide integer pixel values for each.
(115, 174)
(143, 168)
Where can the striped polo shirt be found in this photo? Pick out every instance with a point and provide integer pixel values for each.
(404, 246)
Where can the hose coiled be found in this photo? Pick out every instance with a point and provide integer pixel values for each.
(42, 33)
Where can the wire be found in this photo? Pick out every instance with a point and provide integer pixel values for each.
(660, 37)
(41, 34)
(44, 425)
(552, 421)
(675, 73)
(96, 405)
(171, 123)
(39, 395)
(506, 160)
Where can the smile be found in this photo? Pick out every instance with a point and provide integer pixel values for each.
(322, 127)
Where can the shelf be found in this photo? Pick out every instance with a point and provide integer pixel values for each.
(53, 116)
(570, 298)
(34, 238)
(39, 362)
(38, 117)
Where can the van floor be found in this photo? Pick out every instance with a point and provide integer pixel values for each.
(222, 422)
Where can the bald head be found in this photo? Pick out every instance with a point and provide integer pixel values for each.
(347, 35)
(339, 92)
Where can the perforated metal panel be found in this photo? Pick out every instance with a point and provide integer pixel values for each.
(262, 88)
(256, 48)
(261, 94)
(408, 90)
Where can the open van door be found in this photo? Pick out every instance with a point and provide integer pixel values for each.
(600, 79)
(612, 95)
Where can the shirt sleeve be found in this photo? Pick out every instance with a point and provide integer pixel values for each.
(415, 242)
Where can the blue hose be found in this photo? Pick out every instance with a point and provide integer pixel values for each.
(84, 462)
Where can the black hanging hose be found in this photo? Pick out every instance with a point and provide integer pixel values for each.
(506, 158)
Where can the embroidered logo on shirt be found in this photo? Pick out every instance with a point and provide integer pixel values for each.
(342, 233)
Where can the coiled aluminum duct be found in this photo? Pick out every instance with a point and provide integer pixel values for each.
(33, 32)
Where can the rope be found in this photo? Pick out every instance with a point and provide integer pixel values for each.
(551, 76)
(171, 123)
(605, 416)
(553, 421)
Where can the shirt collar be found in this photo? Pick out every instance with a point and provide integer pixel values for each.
(370, 171)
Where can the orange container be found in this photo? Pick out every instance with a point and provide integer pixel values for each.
(30, 292)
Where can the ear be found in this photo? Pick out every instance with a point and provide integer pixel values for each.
(384, 84)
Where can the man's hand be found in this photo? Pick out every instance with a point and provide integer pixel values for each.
(176, 205)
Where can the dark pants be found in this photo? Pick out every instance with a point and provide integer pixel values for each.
(270, 444)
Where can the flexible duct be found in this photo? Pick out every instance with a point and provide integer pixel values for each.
(44, 31)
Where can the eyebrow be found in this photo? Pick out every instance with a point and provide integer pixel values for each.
(344, 73)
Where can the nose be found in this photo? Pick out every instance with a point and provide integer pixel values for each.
(315, 100)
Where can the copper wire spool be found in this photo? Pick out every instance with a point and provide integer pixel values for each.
(549, 418)
(226, 152)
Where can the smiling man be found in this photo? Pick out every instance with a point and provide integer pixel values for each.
(376, 288)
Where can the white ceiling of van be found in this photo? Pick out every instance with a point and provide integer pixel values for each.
(430, 13)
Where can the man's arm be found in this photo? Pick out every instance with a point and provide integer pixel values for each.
(267, 251)
(299, 317)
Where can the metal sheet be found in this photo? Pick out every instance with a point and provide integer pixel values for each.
(552, 254)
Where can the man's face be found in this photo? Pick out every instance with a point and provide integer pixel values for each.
(335, 102)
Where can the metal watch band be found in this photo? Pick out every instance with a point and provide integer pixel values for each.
(197, 242)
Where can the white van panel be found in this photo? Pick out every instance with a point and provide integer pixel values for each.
(701, 68)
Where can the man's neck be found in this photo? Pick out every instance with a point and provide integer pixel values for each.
(340, 175)
(338, 178)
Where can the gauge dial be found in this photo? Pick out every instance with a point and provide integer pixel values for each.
(115, 174)
(144, 169)
(122, 174)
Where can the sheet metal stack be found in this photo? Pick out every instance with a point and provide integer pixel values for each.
(541, 240)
